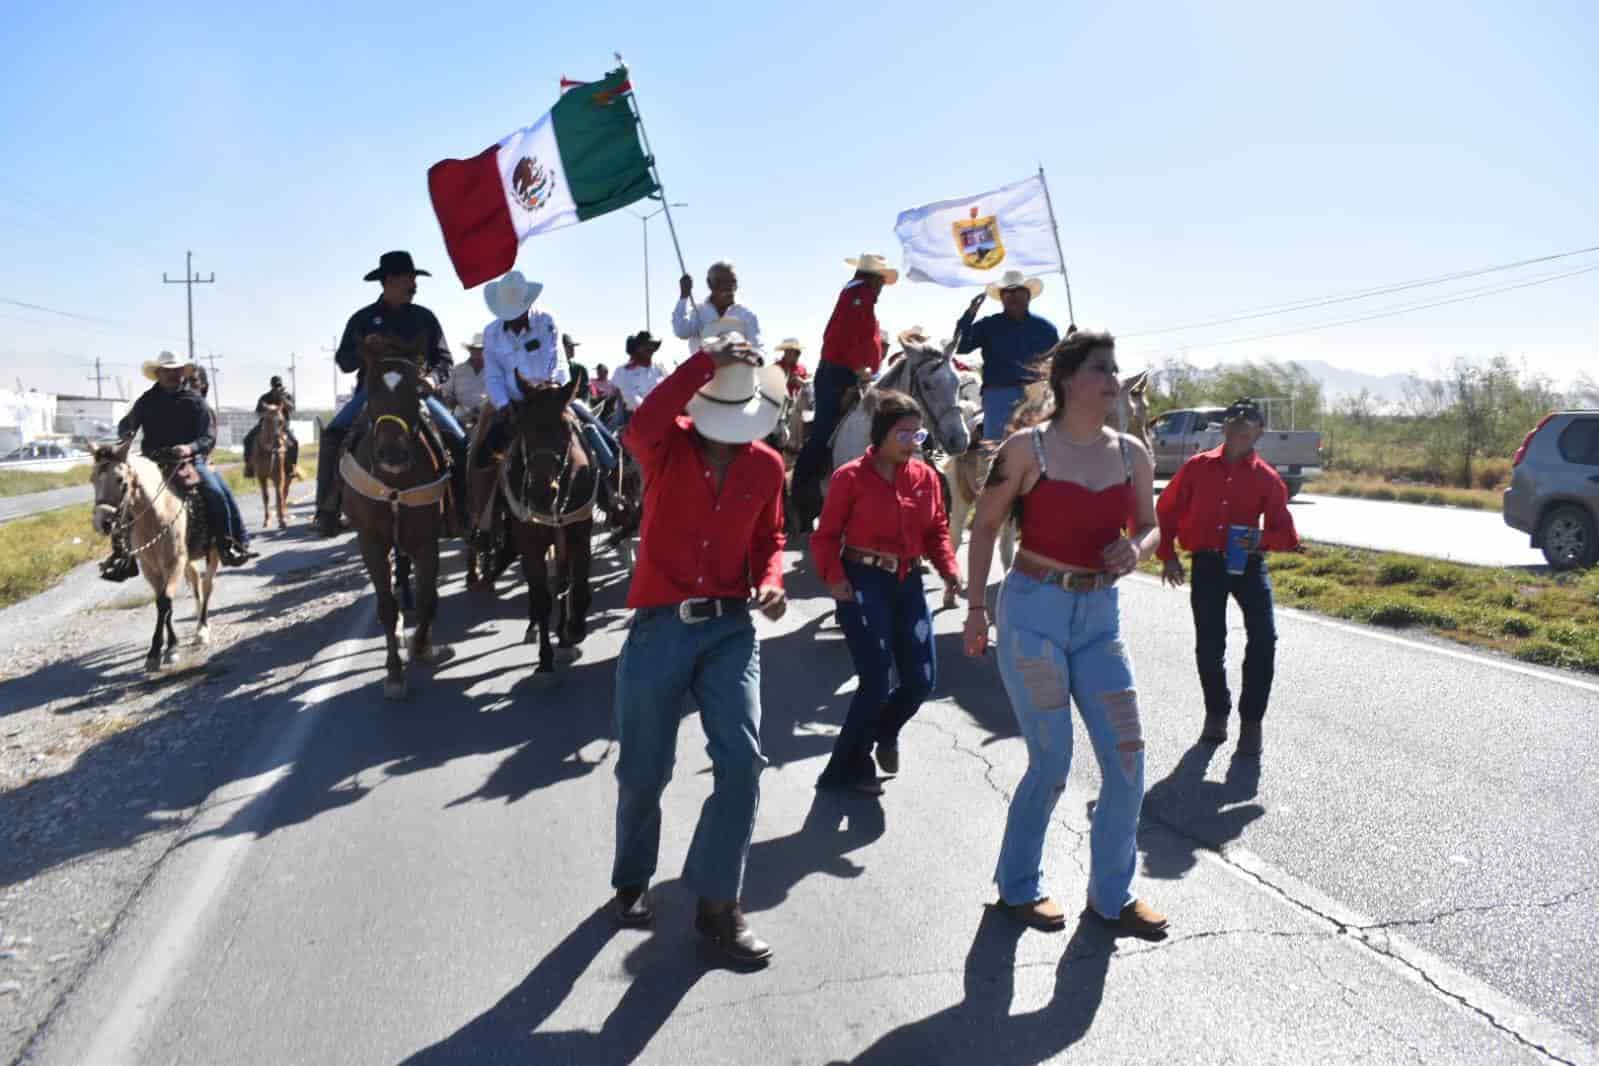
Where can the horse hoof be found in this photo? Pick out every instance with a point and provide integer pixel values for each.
(433, 655)
(393, 690)
(567, 655)
(531, 636)
(202, 637)
(152, 664)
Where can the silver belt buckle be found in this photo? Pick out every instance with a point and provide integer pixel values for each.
(685, 612)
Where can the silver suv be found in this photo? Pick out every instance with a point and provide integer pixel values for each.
(1554, 488)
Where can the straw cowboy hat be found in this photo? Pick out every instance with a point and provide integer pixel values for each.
(475, 342)
(914, 335)
(743, 402)
(511, 296)
(790, 344)
(1015, 279)
(868, 263)
(165, 361)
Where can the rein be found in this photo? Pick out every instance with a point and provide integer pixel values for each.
(373, 488)
(554, 519)
(124, 522)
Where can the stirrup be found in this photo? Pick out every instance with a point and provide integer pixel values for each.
(119, 567)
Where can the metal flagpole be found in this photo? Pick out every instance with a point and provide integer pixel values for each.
(654, 170)
(1055, 229)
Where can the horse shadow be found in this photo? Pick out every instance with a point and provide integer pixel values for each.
(1202, 814)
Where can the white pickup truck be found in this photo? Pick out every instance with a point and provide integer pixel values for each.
(1295, 454)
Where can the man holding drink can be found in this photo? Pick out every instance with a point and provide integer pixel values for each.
(1215, 507)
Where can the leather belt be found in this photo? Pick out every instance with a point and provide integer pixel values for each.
(693, 612)
(880, 560)
(1070, 580)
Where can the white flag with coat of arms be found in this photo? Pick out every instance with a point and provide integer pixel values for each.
(975, 239)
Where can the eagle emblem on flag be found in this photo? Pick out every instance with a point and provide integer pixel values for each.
(531, 183)
(979, 242)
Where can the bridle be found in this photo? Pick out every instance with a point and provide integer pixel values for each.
(122, 521)
(556, 517)
(367, 484)
(918, 392)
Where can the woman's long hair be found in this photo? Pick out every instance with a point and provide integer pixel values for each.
(1046, 389)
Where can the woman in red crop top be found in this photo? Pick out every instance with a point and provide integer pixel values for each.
(884, 515)
(1085, 494)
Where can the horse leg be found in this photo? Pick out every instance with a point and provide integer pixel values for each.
(163, 606)
(266, 505)
(170, 654)
(579, 560)
(202, 632)
(282, 483)
(402, 581)
(375, 554)
(423, 650)
(538, 599)
(207, 582)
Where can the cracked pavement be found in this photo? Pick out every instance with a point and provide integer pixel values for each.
(424, 883)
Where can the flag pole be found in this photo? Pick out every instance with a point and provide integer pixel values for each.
(655, 172)
(1053, 227)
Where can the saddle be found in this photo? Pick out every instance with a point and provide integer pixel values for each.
(183, 480)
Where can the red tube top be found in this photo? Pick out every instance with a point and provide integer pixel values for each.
(1063, 521)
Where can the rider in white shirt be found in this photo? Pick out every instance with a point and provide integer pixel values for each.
(640, 374)
(689, 320)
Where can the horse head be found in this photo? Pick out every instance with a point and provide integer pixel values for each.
(547, 438)
(112, 478)
(393, 399)
(1133, 406)
(935, 385)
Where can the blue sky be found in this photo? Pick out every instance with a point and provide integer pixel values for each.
(1204, 158)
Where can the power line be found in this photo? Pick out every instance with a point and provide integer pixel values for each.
(1390, 312)
(1382, 290)
(56, 311)
(190, 280)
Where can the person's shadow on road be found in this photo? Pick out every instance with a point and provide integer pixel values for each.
(981, 1028)
(1201, 813)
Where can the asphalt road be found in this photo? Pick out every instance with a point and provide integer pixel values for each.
(36, 502)
(1478, 537)
(1408, 875)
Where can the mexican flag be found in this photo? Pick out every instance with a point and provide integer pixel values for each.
(581, 160)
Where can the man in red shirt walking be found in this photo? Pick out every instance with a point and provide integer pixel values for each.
(712, 533)
(1229, 486)
(852, 348)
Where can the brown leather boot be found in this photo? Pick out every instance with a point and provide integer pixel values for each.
(1043, 913)
(1140, 919)
(726, 928)
(633, 906)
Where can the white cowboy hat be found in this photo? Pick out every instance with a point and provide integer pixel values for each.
(916, 334)
(789, 344)
(743, 401)
(165, 361)
(476, 341)
(1015, 279)
(868, 263)
(511, 296)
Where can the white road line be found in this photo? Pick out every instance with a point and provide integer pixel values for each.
(146, 996)
(1432, 649)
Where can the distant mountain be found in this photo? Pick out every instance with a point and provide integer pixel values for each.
(1338, 383)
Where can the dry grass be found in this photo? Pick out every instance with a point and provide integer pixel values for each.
(36, 551)
(1552, 620)
(1371, 488)
(22, 482)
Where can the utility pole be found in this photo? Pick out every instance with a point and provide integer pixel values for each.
(294, 380)
(190, 280)
(216, 389)
(98, 378)
(334, 351)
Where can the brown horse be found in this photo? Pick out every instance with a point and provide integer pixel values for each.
(396, 483)
(270, 461)
(132, 497)
(549, 484)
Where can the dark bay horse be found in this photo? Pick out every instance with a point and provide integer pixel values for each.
(396, 496)
(549, 483)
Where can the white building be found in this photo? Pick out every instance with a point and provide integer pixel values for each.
(89, 416)
(25, 417)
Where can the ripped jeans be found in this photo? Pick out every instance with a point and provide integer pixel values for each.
(1056, 647)
(890, 636)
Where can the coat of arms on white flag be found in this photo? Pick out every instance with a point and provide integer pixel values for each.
(973, 240)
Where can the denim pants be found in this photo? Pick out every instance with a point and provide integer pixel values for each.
(890, 635)
(832, 382)
(1208, 590)
(664, 661)
(999, 403)
(221, 509)
(441, 416)
(599, 438)
(1056, 647)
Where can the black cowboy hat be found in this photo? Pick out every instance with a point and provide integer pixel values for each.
(390, 263)
(641, 337)
(276, 381)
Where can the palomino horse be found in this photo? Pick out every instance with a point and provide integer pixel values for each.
(966, 473)
(926, 374)
(133, 499)
(397, 480)
(549, 483)
(270, 461)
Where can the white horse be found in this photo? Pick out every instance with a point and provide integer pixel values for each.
(926, 375)
(131, 495)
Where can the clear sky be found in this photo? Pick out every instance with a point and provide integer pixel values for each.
(1205, 158)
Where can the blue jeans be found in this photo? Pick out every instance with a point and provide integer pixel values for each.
(599, 438)
(441, 416)
(1055, 647)
(999, 403)
(832, 382)
(221, 509)
(664, 661)
(1208, 590)
(890, 635)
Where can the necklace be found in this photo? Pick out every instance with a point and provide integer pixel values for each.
(1067, 437)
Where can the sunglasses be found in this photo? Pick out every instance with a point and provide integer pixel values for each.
(910, 436)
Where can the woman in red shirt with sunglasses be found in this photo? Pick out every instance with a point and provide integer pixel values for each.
(884, 514)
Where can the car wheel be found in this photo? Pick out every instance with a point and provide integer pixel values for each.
(1568, 537)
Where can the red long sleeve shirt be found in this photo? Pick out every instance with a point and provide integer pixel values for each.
(1208, 494)
(851, 338)
(905, 519)
(697, 541)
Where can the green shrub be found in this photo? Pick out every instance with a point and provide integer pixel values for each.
(1397, 614)
(1517, 625)
(1565, 633)
(1397, 572)
(1439, 578)
(1546, 653)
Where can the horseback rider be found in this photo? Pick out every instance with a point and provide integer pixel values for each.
(690, 319)
(1011, 342)
(635, 378)
(393, 314)
(177, 427)
(852, 348)
(523, 342)
(467, 388)
(277, 396)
